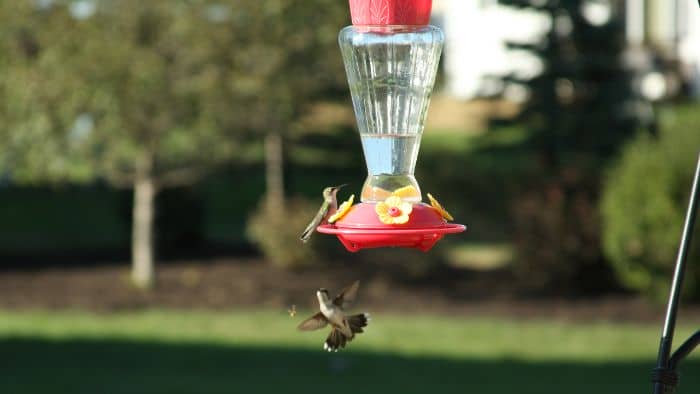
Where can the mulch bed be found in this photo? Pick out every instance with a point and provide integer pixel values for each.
(242, 283)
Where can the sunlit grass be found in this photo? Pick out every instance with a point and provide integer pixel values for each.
(480, 256)
(410, 335)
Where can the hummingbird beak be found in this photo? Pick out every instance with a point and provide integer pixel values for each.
(340, 186)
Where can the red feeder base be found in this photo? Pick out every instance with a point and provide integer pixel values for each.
(361, 228)
(419, 238)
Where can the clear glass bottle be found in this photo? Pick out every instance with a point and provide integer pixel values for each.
(391, 72)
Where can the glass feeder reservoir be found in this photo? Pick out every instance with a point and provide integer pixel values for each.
(391, 58)
(391, 71)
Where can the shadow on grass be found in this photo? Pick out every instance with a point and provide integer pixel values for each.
(28, 365)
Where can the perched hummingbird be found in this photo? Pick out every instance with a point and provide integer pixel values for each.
(328, 208)
(343, 328)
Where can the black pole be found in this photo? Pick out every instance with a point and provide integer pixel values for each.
(665, 378)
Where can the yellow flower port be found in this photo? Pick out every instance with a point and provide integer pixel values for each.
(436, 205)
(393, 210)
(377, 193)
(342, 210)
(406, 192)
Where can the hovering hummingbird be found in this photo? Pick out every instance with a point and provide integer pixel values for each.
(343, 327)
(328, 208)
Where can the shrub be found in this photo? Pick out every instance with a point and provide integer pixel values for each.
(644, 204)
(276, 233)
(556, 234)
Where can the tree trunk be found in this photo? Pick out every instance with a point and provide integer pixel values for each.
(274, 171)
(142, 269)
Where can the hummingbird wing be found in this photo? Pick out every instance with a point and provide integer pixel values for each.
(315, 322)
(347, 296)
(309, 230)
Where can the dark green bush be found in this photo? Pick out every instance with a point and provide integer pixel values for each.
(276, 233)
(556, 234)
(644, 203)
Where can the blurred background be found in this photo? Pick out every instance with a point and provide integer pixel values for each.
(160, 159)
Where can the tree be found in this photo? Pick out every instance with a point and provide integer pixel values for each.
(143, 94)
(297, 62)
(580, 110)
(584, 101)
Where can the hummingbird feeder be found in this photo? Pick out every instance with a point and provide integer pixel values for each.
(391, 57)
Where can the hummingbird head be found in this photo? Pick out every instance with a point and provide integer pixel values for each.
(329, 192)
(323, 296)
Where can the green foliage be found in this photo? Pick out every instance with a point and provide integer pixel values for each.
(36, 112)
(132, 90)
(276, 232)
(644, 205)
(173, 88)
(286, 49)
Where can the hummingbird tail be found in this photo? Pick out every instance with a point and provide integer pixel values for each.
(335, 341)
(357, 322)
(308, 231)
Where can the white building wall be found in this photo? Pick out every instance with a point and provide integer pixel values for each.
(635, 22)
(662, 21)
(477, 32)
(689, 41)
(476, 55)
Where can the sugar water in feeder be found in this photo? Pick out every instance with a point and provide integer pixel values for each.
(391, 57)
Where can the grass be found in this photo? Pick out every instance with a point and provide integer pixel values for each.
(260, 351)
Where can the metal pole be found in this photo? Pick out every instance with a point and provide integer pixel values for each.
(662, 365)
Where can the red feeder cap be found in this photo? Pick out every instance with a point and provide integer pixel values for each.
(390, 12)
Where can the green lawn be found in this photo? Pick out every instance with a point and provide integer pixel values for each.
(260, 352)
